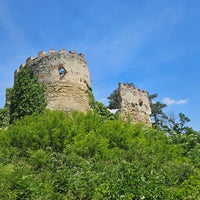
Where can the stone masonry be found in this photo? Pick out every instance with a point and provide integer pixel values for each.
(65, 77)
(134, 104)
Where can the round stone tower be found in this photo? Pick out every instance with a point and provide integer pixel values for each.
(65, 77)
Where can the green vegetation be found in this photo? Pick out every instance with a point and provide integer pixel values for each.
(113, 100)
(4, 116)
(168, 123)
(80, 156)
(159, 118)
(27, 96)
(98, 107)
(51, 155)
(5, 112)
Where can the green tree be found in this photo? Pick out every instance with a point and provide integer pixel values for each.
(175, 125)
(99, 107)
(4, 116)
(27, 95)
(5, 112)
(54, 155)
(157, 115)
(113, 100)
(170, 123)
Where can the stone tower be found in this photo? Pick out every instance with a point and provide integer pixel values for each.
(134, 104)
(65, 77)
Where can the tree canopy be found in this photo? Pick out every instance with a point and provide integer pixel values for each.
(78, 156)
(159, 118)
(113, 100)
(94, 155)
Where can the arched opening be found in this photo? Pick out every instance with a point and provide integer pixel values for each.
(62, 71)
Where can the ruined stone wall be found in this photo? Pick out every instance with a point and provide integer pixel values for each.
(134, 104)
(65, 77)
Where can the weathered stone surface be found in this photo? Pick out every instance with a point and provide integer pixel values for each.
(41, 53)
(134, 104)
(65, 77)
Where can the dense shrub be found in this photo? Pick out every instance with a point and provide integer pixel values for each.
(81, 156)
(27, 95)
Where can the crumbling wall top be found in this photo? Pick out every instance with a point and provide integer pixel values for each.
(129, 86)
(65, 76)
(29, 59)
(41, 53)
(53, 52)
(63, 51)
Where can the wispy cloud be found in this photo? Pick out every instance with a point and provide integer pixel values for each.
(170, 101)
(7, 22)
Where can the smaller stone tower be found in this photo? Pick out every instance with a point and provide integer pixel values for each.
(134, 104)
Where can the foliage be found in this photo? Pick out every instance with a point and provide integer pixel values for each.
(4, 116)
(27, 96)
(158, 116)
(176, 126)
(80, 156)
(169, 122)
(113, 100)
(5, 112)
(99, 107)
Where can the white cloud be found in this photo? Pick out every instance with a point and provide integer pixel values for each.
(170, 101)
(182, 101)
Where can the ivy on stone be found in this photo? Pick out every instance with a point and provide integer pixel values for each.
(27, 96)
(4, 117)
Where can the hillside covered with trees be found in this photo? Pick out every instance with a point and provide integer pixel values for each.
(53, 155)
(84, 156)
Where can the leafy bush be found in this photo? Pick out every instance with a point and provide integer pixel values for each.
(27, 96)
(80, 156)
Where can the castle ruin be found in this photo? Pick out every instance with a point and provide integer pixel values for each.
(134, 104)
(66, 79)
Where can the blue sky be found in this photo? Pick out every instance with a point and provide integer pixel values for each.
(152, 43)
